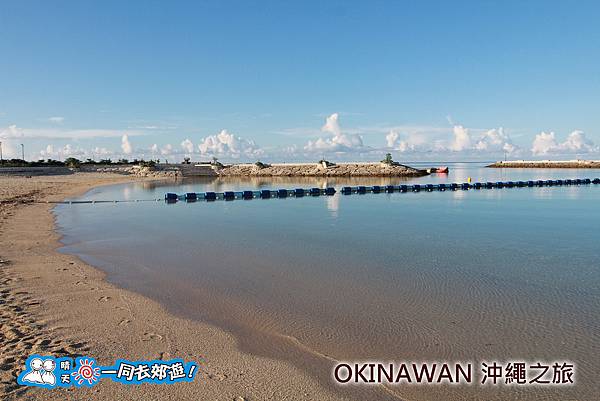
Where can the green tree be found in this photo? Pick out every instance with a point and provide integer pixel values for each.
(72, 162)
(388, 159)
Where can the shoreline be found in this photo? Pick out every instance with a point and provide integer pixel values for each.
(57, 304)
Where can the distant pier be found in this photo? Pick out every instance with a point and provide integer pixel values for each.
(546, 164)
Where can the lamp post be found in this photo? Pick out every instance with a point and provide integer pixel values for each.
(1, 160)
(23, 151)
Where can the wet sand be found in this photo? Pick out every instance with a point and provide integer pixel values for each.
(57, 305)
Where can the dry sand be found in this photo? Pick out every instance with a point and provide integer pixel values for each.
(55, 304)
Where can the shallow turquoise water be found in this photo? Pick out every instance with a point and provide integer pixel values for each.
(463, 275)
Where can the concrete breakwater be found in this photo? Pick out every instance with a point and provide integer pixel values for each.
(160, 171)
(546, 164)
(320, 170)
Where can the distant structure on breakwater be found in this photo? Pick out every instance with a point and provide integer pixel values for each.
(546, 164)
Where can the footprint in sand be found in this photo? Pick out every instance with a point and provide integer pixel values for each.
(152, 336)
(104, 299)
(217, 376)
(124, 322)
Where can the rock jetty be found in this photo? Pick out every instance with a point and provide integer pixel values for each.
(321, 170)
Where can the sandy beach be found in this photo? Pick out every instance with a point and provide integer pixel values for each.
(57, 305)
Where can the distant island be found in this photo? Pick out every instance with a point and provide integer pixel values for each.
(546, 164)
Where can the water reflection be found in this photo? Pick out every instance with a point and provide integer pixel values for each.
(333, 205)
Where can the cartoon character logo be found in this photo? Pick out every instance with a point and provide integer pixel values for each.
(40, 372)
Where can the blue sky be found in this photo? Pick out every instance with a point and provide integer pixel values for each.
(442, 80)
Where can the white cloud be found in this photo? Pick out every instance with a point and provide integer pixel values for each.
(126, 145)
(56, 120)
(98, 151)
(62, 153)
(495, 140)
(68, 150)
(187, 146)
(332, 125)
(462, 139)
(9, 137)
(576, 142)
(13, 131)
(226, 144)
(411, 142)
(167, 150)
(338, 142)
(392, 139)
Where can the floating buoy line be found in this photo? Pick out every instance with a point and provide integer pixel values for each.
(329, 191)
(375, 189)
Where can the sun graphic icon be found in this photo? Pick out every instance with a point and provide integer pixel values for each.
(86, 372)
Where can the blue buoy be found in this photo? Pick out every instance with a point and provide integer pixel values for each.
(229, 195)
(346, 190)
(429, 187)
(298, 192)
(559, 182)
(489, 185)
(465, 186)
(499, 184)
(361, 190)
(520, 184)
(169, 196)
(265, 194)
(477, 185)
(329, 191)
(282, 193)
(454, 186)
(389, 189)
(441, 187)
(191, 197)
(376, 189)
(596, 181)
(510, 184)
(587, 181)
(210, 196)
(314, 191)
(403, 188)
(530, 183)
(246, 195)
(416, 188)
